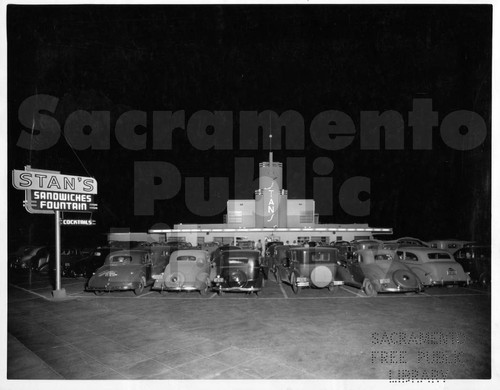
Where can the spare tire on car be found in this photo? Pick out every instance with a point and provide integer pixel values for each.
(405, 279)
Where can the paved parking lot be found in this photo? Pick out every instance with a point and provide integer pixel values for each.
(443, 333)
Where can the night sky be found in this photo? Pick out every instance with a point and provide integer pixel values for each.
(255, 58)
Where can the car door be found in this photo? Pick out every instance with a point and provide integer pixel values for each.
(414, 263)
(354, 267)
(148, 266)
(285, 264)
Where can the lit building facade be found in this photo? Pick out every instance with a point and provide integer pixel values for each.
(270, 216)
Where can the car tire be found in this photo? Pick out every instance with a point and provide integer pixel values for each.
(405, 279)
(369, 288)
(293, 281)
(483, 281)
(99, 292)
(277, 275)
(139, 290)
(204, 290)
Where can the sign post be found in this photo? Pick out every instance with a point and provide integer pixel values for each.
(50, 192)
(58, 292)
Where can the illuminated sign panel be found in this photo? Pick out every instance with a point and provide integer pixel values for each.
(45, 180)
(77, 222)
(271, 203)
(49, 191)
(62, 201)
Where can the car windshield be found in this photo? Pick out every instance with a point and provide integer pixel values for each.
(383, 257)
(238, 260)
(321, 256)
(121, 259)
(438, 256)
(186, 258)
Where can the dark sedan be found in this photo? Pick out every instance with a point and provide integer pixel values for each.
(127, 270)
(476, 261)
(238, 271)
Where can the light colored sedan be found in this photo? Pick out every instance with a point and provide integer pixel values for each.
(187, 270)
(434, 267)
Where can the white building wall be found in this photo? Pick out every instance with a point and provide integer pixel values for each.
(300, 212)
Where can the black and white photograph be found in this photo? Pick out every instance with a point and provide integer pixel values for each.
(248, 194)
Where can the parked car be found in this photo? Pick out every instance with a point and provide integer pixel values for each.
(245, 244)
(209, 246)
(270, 245)
(127, 270)
(86, 266)
(237, 270)
(309, 267)
(449, 245)
(221, 249)
(36, 258)
(187, 270)
(433, 266)
(378, 270)
(267, 258)
(365, 244)
(277, 255)
(69, 257)
(476, 261)
(179, 244)
(409, 241)
(345, 248)
(15, 259)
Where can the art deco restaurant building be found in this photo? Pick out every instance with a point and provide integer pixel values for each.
(270, 216)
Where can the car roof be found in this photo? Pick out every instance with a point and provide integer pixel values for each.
(314, 248)
(242, 252)
(189, 252)
(425, 249)
(129, 251)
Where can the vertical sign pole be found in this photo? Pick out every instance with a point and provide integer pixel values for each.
(58, 292)
(58, 250)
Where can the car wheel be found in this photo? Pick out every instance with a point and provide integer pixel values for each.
(140, 288)
(483, 281)
(204, 290)
(276, 274)
(369, 289)
(293, 280)
(99, 292)
(333, 289)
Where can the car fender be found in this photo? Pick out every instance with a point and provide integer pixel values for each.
(423, 273)
(293, 272)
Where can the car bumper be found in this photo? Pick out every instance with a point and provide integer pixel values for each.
(242, 289)
(249, 286)
(114, 286)
(400, 289)
(449, 283)
(162, 287)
